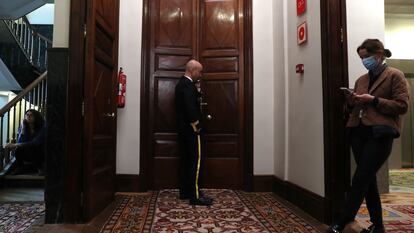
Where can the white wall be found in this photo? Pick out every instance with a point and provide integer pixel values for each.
(128, 140)
(3, 98)
(305, 160)
(43, 15)
(365, 19)
(399, 31)
(263, 79)
(280, 89)
(61, 24)
(399, 34)
(7, 80)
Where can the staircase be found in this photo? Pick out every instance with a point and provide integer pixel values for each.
(24, 52)
(32, 97)
(33, 44)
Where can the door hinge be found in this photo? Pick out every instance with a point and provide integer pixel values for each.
(342, 35)
(83, 108)
(84, 30)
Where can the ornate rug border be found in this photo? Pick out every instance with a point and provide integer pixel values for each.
(264, 220)
(149, 219)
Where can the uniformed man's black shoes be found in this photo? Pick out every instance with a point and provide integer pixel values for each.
(201, 201)
(209, 199)
(184, 196)
(334, 229)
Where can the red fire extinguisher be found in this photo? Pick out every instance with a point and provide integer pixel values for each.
(121, 88)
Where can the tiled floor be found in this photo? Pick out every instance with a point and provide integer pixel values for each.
(21, 194)
(93, 227)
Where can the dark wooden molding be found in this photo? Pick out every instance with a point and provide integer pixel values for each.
(263, 184)
(248, 104)
(130, 183)
(279, 187)
(306, 200)
(145, 59)
(334, 75)
(72, 209)
(16, 182)
(309, 202)
(56, 146)
(136, 183)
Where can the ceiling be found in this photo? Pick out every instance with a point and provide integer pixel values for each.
(14, 9)
(7, 81)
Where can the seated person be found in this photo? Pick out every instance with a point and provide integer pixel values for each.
(30, 142)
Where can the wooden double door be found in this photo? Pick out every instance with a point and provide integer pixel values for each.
(213, 32)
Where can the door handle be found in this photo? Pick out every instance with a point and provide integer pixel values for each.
(202, 104)
(109, 115)
(209, 117)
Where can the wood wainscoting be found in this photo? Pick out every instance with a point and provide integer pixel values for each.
(311, 203)
(130, 183)
(306, 200)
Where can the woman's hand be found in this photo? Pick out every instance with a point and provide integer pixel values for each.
(350, 98)
(364, 98)
(11, 146)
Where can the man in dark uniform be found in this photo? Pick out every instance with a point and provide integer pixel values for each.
(189, 127)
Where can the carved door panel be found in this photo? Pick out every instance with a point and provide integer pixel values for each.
(210, 31)
(101, 62)
(221, 53)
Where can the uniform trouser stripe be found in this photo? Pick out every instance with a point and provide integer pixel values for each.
(198, 164)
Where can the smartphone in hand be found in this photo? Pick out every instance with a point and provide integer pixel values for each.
(347, 90)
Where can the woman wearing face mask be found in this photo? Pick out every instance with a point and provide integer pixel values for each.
(380, 98)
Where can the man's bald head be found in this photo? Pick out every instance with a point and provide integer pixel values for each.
(193, 69)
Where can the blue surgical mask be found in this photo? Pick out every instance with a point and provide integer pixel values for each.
(370, 63)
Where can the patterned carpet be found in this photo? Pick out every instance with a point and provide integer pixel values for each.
(17, 217)
(232, 211)
(398, 212)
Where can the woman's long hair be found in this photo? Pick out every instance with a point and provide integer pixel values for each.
(37, 123)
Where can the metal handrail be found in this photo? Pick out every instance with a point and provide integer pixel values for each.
(33, 96)
(33, 44)
(22, 94)
(35, 31)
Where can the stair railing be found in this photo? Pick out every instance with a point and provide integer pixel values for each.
(33, 96)
(33, 44)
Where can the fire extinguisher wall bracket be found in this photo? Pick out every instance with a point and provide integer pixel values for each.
(121, 88)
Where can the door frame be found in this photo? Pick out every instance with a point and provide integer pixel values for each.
(145, 151)
(334, 75)
(73, 161)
